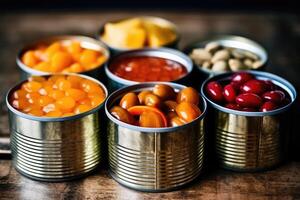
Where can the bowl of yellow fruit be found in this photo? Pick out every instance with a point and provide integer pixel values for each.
(138, 32)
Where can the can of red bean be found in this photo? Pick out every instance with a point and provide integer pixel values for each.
(248, 138)
(148, 65)
(85, 55)
(56, 148)
(154, 159)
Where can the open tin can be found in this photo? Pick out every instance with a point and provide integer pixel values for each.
(58, 148)
(115, 82)
(85, 42)
(249, 141)
(155, 20)
(154, 159)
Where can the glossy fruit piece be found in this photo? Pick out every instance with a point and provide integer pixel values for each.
(151, 119)
(249, 100)
(96, 99)
(188, 111)
(81, 109)
(164, 92)
(36, 112)
(32, 86)
(215, 91)
(138, 110)
(20, 104)
(268, 106)
(33, 97)
(30, 59)
(88, 58)
(152, 100)
(76, 94)
(45, 100)
(128, 100)
(229, 93)
(54, 113)
(233, 106)
(91, 87)
(66, 103)
(275, 96)
(60, 60)
(19, 94)
(254, 86)
(269, 85)
(56, 94)
(122, 114)
(170, 105)
(188, 94)
(142, 96)
(176, 121)
(241, 78)
(63, 84)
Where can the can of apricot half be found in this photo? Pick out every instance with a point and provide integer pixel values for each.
(154, 159)
(246, 139)
(55, 148)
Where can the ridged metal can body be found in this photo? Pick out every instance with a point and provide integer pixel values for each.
(115, 82)
(86, 42)
(157, 20)
(56, 149)
(250, 141)
(154, 159)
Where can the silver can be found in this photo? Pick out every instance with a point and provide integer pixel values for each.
(56, 149)
(115, 82)
(156, 20)
(250, 141)
(86, 42)
(154, 159)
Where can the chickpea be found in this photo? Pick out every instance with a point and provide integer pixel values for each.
(128, 100)
(152, 100)
(170, 105)
(188, 94)
(187, 111)
(165, 92)
(122, 114)
(142, 96)
(151, 119)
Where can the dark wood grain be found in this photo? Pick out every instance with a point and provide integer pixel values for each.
(279, 34)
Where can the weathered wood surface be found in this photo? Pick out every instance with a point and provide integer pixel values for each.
(279, 34)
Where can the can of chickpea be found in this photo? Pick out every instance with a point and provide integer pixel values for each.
(153, 159)
(250, 130)
(56, 137)
(64, 54)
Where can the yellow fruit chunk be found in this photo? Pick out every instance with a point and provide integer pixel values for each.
(159, 36)
(60, 60)
(74, 47)
(30, 59)
(52, 49)
(91, 87)
(88, 58)
(66, 103)
(75, 81)
(76, 68)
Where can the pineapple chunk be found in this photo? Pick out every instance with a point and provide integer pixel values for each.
(158, 35)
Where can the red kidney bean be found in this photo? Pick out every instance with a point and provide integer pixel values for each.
(229, 93)
(269, 85)
(268, 106)
(233, 106)
(254, 86)
(215, 91)
(275, 96)
(249, 100)
(241, 78)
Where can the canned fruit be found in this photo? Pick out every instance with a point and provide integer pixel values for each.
(244, 92)
(160, 107)
(138, 33)
(219, 58)
(57, 96)
(63, 56)
(147, 68)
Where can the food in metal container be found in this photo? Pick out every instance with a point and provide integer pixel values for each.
(244, 92)
(146, 68)
(63, 56)
(57, 96)
(137, 33)
(219, 58)
(160, 107)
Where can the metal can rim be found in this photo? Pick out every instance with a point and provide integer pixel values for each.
(53, 119)
(143, 52)
(283, 83)
(135, 87)
(81, 38)
(118, 49)
(233, 38)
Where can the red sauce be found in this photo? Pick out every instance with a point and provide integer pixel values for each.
(145, 69)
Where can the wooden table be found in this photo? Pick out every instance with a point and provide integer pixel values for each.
(280, 34)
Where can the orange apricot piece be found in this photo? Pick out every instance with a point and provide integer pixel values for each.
(45, 100)
(82, 108)
(18, 94)
(88, 58)
(52, 49)
(32, 86)
(66, 103)
(36, 112)
(54, 113)
(30, 59)
(76, 94)
(74, 47)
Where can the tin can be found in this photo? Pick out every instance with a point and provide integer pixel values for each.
(115, 82)
(250, 141)
(155, 20)
(230, 41)
(56, 149)
(86, 42)
(154, 159)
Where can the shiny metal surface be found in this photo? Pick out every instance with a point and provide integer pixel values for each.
(156, 20)
(250, 141)
(86, 42)
(56, 149)
(115, 82)
(157, 159)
